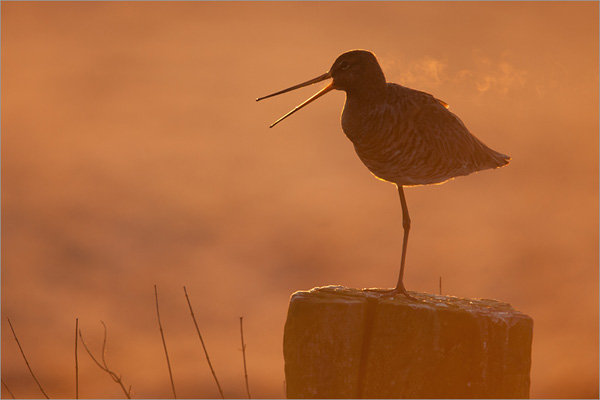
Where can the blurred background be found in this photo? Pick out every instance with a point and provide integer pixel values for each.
(134, 154)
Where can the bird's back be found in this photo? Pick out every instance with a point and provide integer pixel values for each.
(410, 138)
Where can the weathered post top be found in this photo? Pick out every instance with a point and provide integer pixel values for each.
(351, 343)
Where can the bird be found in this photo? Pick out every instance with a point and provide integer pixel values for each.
(403, 136)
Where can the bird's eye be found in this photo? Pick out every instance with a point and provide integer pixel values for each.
(344, 65)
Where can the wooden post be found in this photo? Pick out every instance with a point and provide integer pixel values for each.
(348, 343)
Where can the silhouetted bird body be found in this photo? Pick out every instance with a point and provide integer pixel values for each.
(402, 135)
(410, 138)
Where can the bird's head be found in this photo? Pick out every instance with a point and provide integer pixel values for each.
(355, 72)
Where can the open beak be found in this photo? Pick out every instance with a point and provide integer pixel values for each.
(320, 93)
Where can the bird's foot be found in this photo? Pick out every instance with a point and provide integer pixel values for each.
(392, 292)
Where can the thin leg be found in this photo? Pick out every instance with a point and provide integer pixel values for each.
(406, 225)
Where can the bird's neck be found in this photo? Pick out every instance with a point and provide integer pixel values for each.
(370, 89)
(358, 108)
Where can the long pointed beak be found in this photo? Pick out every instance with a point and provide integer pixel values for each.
(320, 93)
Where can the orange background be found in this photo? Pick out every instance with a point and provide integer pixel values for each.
(134, 154)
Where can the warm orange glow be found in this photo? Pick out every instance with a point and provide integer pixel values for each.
(134, 154)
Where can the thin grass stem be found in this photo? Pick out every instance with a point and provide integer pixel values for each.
(25, 358)
(203, 346)
(104, 367)
(244, 356)
(6, 386)
(162, 335)
(76, 360)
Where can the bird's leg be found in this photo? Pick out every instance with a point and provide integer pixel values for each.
(406, 225)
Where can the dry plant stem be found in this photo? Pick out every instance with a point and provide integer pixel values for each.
(104, 366)
(6, 386)
(25, 358)
(76, 360)
(162, 335)
(202, 341)
(244, 355)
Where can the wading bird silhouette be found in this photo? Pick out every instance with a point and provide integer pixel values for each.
(403, 136)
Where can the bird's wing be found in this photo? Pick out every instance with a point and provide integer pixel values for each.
(450, 146)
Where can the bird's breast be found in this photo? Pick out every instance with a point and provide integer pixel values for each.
(381, 138)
